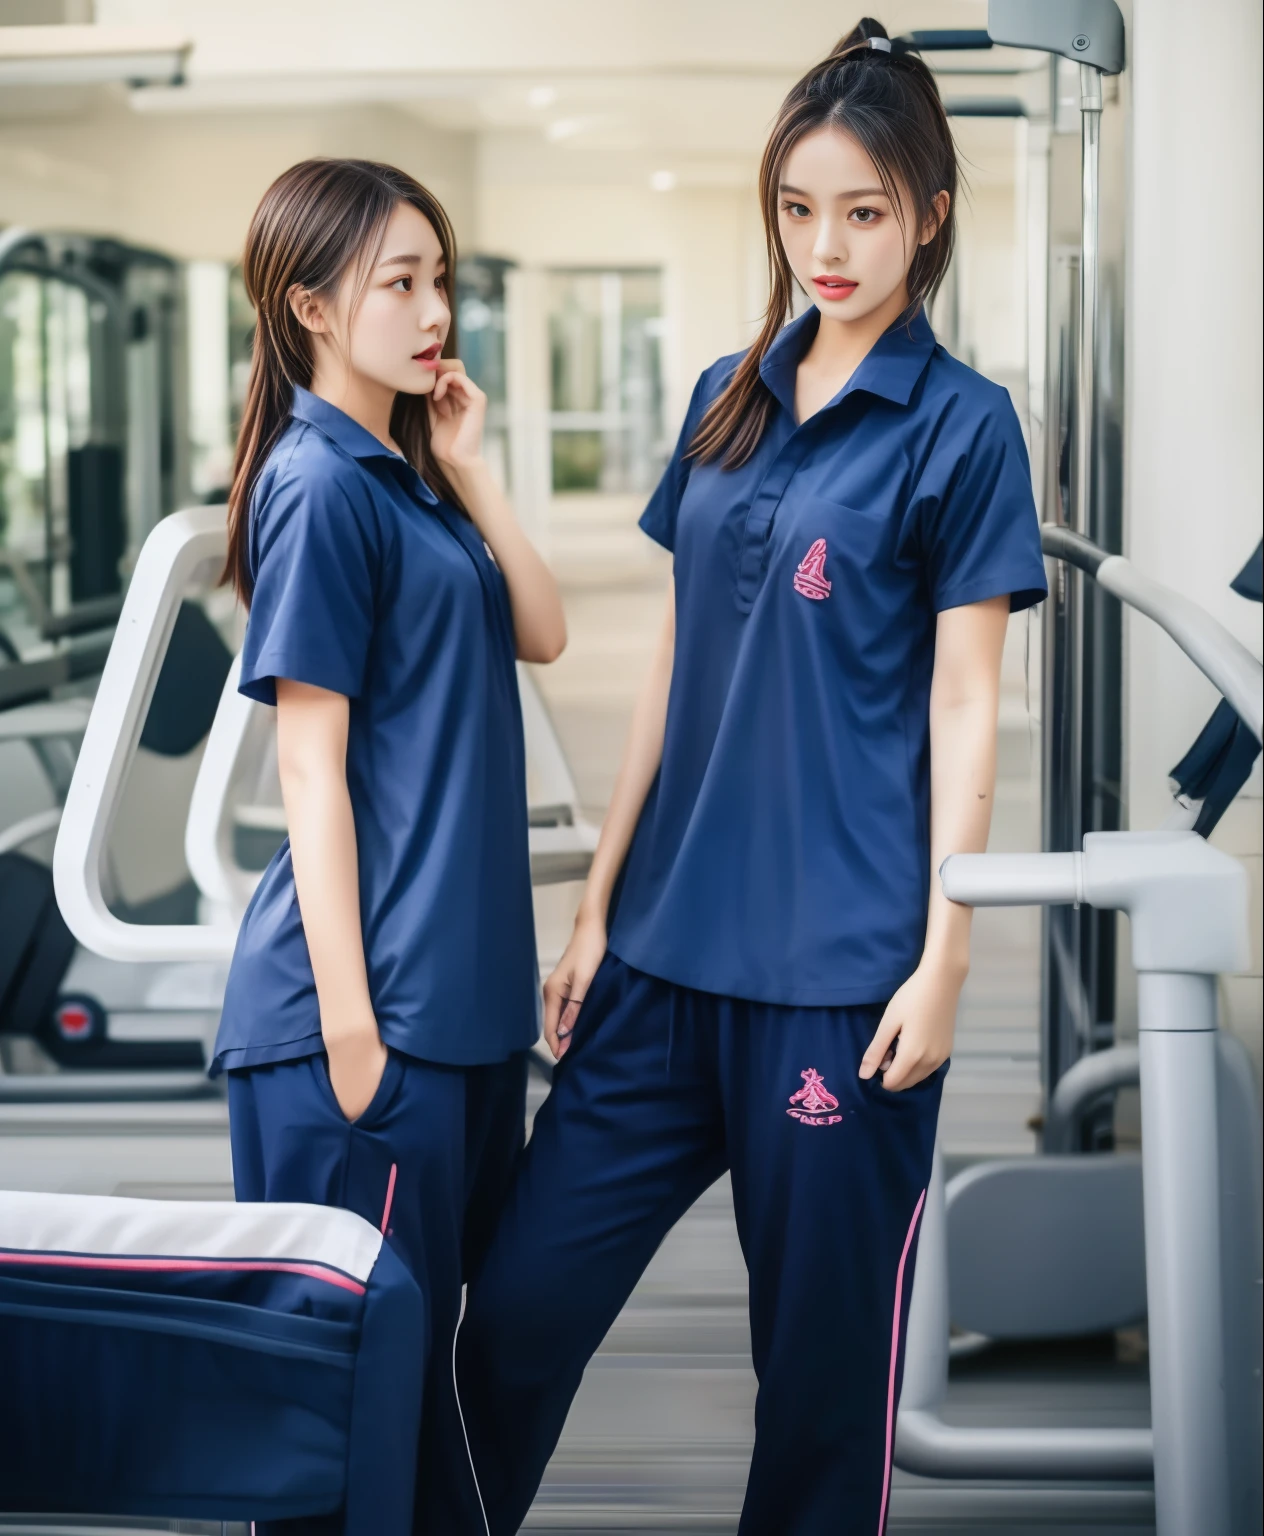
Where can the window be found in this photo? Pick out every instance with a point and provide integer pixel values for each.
(606, 417)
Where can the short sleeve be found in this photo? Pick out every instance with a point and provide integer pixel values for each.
(311, 613)
(659, 518)
(981, 533)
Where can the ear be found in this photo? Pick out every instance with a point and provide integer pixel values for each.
(307, 309)
(935, 219)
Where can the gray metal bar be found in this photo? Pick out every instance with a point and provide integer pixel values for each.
(928, 1447)
(926, 1337)
(1085, 369)
(985, 106)
(1078, 1087)
(1013, 879)
(1182, 1223)
(1075, 548)
(1081, 508)
(1218, 655)
(105, 1086)
(948, 41)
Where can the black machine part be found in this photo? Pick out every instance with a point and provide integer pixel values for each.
(1086, 31)
(189, 685)
(1219, 763)
(36, 949)
(35, 944)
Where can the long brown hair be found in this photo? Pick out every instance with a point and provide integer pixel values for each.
(315, 222)
(889, 103)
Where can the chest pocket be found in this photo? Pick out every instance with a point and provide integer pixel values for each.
(834, 536)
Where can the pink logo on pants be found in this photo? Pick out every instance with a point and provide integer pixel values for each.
(814, 1103)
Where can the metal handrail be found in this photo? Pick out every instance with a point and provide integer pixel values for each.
(1218, 655)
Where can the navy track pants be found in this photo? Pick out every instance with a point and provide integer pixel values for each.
(429, 1162)
(662, 1090)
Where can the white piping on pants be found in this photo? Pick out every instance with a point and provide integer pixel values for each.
(461, 1415)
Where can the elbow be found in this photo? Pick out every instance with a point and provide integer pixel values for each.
(554, 648)
(544, 648)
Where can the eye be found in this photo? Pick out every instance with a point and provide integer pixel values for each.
(441, 283)
(403, 284)
(865, 215)
(797, 210)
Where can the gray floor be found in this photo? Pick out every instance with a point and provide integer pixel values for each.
(661, 1433)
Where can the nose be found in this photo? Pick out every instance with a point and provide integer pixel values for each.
(830, 244)
(433, 313)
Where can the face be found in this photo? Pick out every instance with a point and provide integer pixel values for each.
(843, 236)
(392, 330)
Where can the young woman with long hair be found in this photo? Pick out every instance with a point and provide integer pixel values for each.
(382, 993)
(764, 972)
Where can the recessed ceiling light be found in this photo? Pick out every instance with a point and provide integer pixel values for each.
(541, 96)
(663, 181)
(564, 128)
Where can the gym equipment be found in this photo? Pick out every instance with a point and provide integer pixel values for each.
(147, 1027)
(186, 550)
(229, 1362)
(1080, 737)
(1187, 905)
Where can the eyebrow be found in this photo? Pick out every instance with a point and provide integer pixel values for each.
(857, 192)
(405, 261)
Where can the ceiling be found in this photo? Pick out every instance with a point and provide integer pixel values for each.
(681, 74)
(679, 89)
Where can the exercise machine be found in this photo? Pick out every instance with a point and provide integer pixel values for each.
(1187, 906)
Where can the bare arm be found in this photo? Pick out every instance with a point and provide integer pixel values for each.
(565, 988)
(964, 698)
(312, 757)
(458, 408)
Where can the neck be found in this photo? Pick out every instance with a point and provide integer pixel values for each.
(368, 403)
(840, 346)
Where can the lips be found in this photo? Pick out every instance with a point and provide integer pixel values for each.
(834, 287)
(430, 357)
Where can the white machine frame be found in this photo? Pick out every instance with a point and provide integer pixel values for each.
(186, 550)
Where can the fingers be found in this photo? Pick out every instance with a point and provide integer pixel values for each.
(909, 1069)
(566, 1024)
(560, 1010)
(882, 1045)
(453, 378)
(553, 1000)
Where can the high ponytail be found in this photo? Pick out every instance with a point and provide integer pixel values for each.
(315, 223)
(884, 97)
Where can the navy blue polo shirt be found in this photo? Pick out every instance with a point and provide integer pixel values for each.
(783, 854)
(368, 585)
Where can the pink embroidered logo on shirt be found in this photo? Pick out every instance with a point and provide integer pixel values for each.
(809, 579)
(814, 1103)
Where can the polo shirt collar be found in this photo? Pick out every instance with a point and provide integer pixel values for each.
(890, 369)
(347, 434)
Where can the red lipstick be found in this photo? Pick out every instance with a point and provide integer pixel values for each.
(429, 358)
(830, 287)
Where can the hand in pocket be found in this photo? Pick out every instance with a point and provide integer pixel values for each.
(356, 1064)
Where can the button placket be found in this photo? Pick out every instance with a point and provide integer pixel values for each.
(763, 508)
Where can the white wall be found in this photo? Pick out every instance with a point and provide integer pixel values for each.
(1194, 390)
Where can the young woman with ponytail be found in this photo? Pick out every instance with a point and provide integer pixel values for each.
(764, 973)
(381, 998)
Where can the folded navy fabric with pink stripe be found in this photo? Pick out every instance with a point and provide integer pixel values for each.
(206, 1361)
